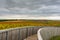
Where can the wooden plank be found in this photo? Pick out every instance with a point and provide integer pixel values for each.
(9, 35)
(3, 36)
(18, 33)
(22, 33)
(34, 30)
(0, 36)
(29, 31)
(15, 34)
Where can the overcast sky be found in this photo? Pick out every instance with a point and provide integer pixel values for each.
(30, 9)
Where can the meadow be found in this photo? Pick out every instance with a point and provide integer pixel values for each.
(6, 24)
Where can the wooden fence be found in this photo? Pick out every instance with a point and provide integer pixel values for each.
(18, 33)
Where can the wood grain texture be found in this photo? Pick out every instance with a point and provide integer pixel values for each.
(18, 34)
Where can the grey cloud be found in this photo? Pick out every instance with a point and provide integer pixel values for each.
(29, 3)
(34, 8)
(32, 4)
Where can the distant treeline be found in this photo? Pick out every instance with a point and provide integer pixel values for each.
(6, 20)
(2, 20)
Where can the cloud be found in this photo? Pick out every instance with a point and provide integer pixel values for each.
(34, 9)
(29, 17)
(4, 9)
(52, 18)
(43, 11)
(18, 17)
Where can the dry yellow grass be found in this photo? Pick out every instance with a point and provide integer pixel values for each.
(21, 23)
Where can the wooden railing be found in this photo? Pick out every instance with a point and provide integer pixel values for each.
(18, 33)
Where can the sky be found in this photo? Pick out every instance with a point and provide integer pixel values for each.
(30, 9)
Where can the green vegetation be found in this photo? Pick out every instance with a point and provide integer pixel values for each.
(6, 24)
(55, 38)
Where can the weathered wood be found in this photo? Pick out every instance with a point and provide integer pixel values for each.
(0, 36)
(18, 33)
(9, 35)
(29, 31)
(22, 33)
(3, 36)
(15, 34)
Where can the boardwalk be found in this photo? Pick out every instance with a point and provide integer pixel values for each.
(32, 37)
(18, 33)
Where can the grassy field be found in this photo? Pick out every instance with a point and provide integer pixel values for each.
(5, 24)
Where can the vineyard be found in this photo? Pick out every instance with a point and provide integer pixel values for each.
(21, 23)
